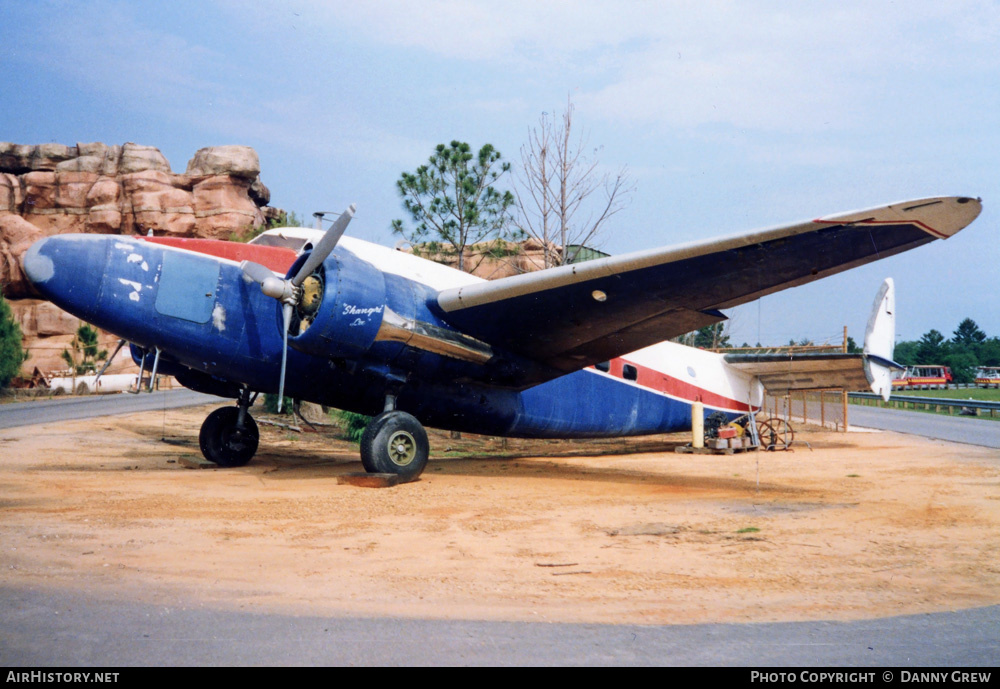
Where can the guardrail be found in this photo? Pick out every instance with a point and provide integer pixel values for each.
(959, 386)
(974, 407)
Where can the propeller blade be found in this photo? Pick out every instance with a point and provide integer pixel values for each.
(325, 246)
(256, 272)
(286, 311)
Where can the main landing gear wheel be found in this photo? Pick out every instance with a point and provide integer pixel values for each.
(223, 442)
(395, 443)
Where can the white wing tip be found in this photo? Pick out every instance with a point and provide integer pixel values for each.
(939, 216)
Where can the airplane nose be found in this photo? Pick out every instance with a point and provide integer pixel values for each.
(38, 267)
(68, 270)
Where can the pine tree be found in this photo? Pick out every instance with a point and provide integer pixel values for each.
(931, 347)
(452, 199)
(84, 352)
(968, 333)
(11, 353)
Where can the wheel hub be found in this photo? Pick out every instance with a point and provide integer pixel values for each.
(402, 448)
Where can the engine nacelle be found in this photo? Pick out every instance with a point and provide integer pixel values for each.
(350, 310)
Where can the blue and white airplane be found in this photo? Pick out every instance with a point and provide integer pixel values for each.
(569, 352)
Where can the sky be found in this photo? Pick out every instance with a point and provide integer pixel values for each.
(730, 116)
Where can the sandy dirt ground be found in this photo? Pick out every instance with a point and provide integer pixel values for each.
(624, 531)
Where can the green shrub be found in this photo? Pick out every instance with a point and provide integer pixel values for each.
(271, 404)
(11, 353)
(354, 425)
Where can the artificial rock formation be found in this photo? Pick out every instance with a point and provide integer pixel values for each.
(128, 189)
(491, 260)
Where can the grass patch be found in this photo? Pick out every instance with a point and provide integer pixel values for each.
(854, 476)
(749, 529)
(957, 395)
(978, 394)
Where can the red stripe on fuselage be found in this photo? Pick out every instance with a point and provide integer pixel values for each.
(658, 381)
(277, 258)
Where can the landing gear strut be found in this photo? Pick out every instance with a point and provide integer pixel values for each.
(229, 436)
(395, 443)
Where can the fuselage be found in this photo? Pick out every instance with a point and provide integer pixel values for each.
(216, 330)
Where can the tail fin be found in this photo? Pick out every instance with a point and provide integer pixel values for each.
(880, 341)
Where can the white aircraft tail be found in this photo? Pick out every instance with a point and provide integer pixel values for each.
(880, 341)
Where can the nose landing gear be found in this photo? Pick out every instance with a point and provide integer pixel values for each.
(229, 436)
(224, 442)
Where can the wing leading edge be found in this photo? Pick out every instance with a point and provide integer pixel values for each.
(574, 316)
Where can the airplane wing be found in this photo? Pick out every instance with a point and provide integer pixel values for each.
(573, 316)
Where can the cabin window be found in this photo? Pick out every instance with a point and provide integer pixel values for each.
(603, 366)
(629, 372)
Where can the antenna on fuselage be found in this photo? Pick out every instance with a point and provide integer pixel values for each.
(319, 215)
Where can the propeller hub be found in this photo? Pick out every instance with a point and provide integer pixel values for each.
(277, 288)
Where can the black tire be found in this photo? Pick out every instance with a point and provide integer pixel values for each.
(221, 442)
(395, 443)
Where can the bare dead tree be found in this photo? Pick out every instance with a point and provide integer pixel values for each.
(557, 189)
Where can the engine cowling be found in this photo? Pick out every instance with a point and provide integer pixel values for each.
(342, 308)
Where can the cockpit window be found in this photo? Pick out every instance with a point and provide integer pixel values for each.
(293, 243)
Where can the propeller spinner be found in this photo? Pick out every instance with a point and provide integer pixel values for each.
(289, 291)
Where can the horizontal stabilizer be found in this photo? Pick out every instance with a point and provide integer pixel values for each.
(782, 373)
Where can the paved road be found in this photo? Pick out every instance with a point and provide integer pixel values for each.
(957, 429)
(46, 628)
(72, 408)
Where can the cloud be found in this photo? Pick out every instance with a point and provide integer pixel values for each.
(130, 61)
(336, 77)
(766, 66)
(508, 31)
(189, 80)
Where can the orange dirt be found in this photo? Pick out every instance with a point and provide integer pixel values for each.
(615, 531)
